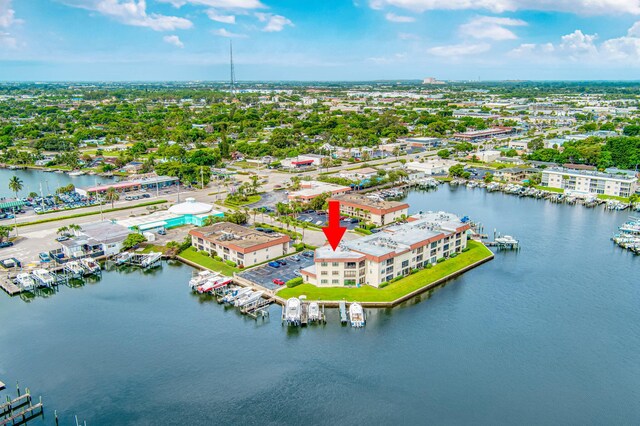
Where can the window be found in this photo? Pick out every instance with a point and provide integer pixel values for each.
(350, 265)
(389, 261)
(434, 244)
(420, 250)
(349, 282)
(349, 274)
(405, 263)
(335, 281)
(335, 264)
(324, 281)
(361, 264)
(335, 272)
(324, 273)
(324, 264)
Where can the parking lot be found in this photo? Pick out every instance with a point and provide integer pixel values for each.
(264, 275)
(321, 220)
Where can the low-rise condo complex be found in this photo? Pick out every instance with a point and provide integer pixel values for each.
(589, 181)
(369, 209)
(391, 253)
(239, 244)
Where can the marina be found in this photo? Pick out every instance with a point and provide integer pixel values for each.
(156, 319)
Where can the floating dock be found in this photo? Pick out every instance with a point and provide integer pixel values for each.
(20, 409)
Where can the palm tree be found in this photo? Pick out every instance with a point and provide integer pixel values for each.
(75, 228)
(112, 195)
(304, 226)
(15, 185)
(62, 230)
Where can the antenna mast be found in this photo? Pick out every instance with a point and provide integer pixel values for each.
(232, 82)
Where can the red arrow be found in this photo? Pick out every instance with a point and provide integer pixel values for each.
(334, 231)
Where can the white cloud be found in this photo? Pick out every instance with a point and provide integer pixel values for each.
(454, 50)
(132, 12)
(7, 14)
(8, 41)
(392, 17)
(218, 17)
(221, 4)
(274, 22)
(581, 7)
(173, 39)
(224, 33)
(491, 27)
(385, 60)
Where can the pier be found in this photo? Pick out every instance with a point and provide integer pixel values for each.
(9, 287)
(19, 410)
(343, 312)
(142, 260)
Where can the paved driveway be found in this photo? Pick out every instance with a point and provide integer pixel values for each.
(263, 275)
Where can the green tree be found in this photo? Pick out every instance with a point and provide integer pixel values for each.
(444, 153)
(133, 240)
(488, 177)
(15, 185)
(4, 232)
(111, 195)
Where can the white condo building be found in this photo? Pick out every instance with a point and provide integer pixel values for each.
(590, 182)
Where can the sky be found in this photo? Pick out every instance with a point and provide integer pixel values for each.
(154, 40)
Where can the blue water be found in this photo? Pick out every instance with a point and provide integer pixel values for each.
(548, 335)
(32, 179)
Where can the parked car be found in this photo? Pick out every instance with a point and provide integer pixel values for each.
(63, 238)
(162, 231)
(278, 281)
(6, 244)
(274, 264)
(295, 258)
(282, 261)
(45, 257)
(146, 196)
(307, 253)
(297, 273)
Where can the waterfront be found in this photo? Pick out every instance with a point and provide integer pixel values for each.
(549, 334)
(32, 179)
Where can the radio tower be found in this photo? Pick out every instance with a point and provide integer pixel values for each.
(232, 83)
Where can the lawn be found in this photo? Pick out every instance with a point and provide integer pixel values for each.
(250, 200)
(154, 248)
(394, 290)
(613, 197)
(208, 262)
(546, 188)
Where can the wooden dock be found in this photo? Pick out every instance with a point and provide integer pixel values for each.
(11, 288)
(11, 405)
(24, 415)
(343, 312)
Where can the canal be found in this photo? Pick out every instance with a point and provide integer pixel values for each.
(549, 334)
(50, 181)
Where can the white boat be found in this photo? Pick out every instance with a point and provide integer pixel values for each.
(90, 265)
(26, 281)
(292, 311)
(236, 294)
(250, 298)
(506, 239)
(44, 277)
(151, 259)
(76, 173)
(314, 311)
(201, 278)
(122, 258)
(74, 269)
(356, 315)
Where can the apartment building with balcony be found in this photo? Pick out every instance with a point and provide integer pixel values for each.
(239, 244)
(589, 181)
(378, 212)
(394, 252)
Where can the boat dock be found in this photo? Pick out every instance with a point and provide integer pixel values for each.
(142, 260)
(19, 410)
(260, 308)
(9, 287)
(343, 312)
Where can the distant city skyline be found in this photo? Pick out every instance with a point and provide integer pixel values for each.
(340, 40)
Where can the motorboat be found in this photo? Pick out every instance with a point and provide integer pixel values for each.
(90, 265)
(314, 311)
(236, 294)
(292, 311)
(26, 281)
(74, 268)
(200, 278)
(356, 315)
(250, 298)
(44, 277)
